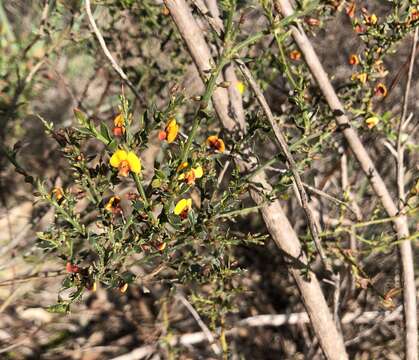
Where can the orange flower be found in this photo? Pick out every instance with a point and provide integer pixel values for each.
(58, 193)
(160, 246)
(353, 60)
(350, 10)
(370, 19)
(414, 15)
(372, 122)
(359, 29)
(380, 90)
(125, 162)
(123, 288)
(70, 268)
(295, 55)
(191, 175)
(362, 77)
(119, 125)
(182, 208)
(170, 132)
(312, 22)
(114, 205)
(214, 142)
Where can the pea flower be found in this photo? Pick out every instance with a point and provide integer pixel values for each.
(414, 15)
(182, 208)
(119, 125)
(380, 90)
(191, 175)
(170, 132)
(58, 193)
(125, 162)
(362, 78)
(353, 60)
(214, 142)
(371, 19)
(372, 121)
(241, 87)
(295, 55)
(114, 205)
(182, 166)
(160, 246)
(123, 288)
(71, 268)
(350, 10)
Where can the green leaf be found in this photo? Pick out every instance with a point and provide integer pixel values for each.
(104, 131)
(81, 118)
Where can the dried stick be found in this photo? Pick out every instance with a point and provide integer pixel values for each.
(272, 213)
(399, 146)
(279, 320)
(291, 163)
(377, 183)
(215, 348)
(107, 53)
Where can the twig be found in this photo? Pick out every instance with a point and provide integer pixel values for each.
(266, 320)
(400, 147)
(215, 348)
(377, 319)
(107, 53)
(291, 163)
(377, 183)
(329, 197)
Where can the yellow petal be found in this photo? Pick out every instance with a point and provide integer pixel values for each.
(199, 172)
(134, 162)
(119, 121)
(118, 157)
(172, 130)
(372, 121)
(240, 87)
(182, 205)
(181, 177)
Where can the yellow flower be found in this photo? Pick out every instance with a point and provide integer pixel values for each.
(182, 208)
(170, 132)
(123, 288)
(191, 175)
(182, 166)
(371, 19)
(114, 205)
(353, 60)
(372, 121)
(361, 77)
(241, 87)
(119, 125)
(381, 90)
(216, 143)
(125, 162)
(58, 193)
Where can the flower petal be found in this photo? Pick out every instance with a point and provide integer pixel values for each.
(118, 157)
(199, 172)
(182, 205)
(134, 162)
(172, 130)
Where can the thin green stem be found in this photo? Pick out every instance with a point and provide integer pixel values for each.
(140, 189)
